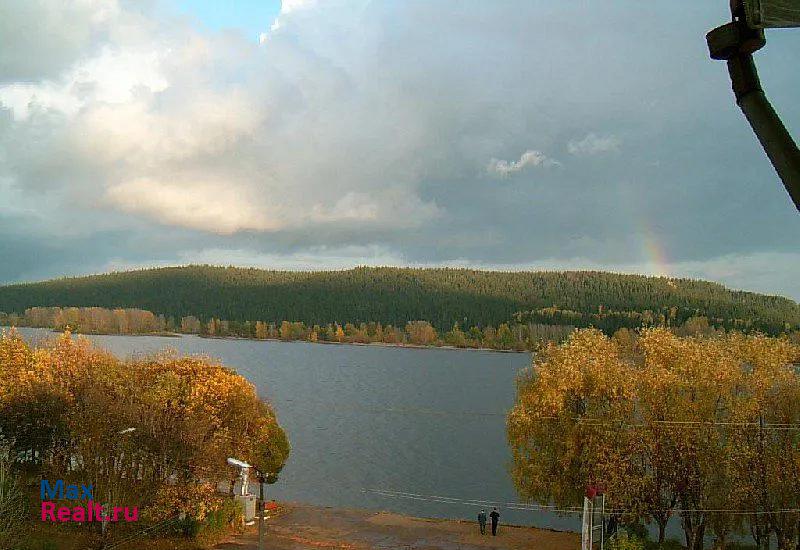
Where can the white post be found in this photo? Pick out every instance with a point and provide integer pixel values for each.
(244, 474)
(586, 525)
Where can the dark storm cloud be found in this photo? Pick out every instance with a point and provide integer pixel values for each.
(529, 134)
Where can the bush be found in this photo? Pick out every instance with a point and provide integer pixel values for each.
(638, 530)
(669, 544)
(625, 541)
(225, 516)
(13, 507)
(228, 515)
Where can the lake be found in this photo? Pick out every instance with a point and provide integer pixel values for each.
(423, 422)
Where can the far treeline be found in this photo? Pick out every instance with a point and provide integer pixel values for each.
(397, 296)
(509, 337)
(97, 320)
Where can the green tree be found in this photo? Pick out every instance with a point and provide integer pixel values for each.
(13, 507)
(456, 337)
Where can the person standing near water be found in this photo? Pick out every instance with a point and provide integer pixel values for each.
(482, 521)
(495, 515)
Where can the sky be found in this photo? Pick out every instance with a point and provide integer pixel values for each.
(325, 134)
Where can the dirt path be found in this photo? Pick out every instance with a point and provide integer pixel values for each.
(305, 527)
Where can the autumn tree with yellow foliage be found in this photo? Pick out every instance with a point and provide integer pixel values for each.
(705, 429)
(65, 410)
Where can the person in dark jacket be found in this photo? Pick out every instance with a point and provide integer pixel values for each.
(495, 515)
(482, 521)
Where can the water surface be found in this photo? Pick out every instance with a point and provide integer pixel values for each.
(418, 421)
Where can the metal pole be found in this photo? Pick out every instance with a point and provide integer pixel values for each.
(260, 512)
(767, 125)
(735, 42)
(763, 479)
(603, 523)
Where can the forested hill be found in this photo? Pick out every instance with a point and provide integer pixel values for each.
(397, 295)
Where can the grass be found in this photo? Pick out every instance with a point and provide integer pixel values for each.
(48, 536)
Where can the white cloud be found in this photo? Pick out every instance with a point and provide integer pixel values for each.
(40, 38)
(594, 144)
(288, 7)
(210, 206)
(112, 78)
(169, 124)
(23, 98)
(144, 133)
(530, 158)
(311, 258)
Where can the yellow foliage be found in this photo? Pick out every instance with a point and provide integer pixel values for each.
(664, 423)
(70, 405)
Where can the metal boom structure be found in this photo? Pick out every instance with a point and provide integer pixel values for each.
(735, 42)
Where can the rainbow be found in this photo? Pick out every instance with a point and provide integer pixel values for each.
(654, 252)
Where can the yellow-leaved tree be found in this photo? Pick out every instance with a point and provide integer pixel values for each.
(67, 409)
(705, 428)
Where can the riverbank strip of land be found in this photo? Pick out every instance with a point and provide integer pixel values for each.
(327, 342)
(304, 526)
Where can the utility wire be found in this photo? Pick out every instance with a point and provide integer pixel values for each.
(583, 421)
(580, 419)
(598, 422)
(574, 509)
(468, 502)
(147, 531)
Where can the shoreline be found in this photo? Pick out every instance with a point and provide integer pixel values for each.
(326, 342)
(366, 344)
(305, 526)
